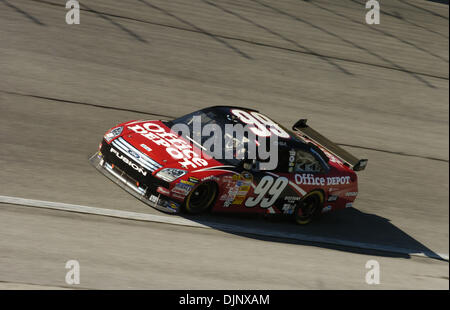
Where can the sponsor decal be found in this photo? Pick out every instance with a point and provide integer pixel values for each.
(348, 205)
(332, 198)
(193, 180)
(237, 187)
(176, 147)
(163, 190)
(292, 198)
(243, 176)
(182, 189)
(128, 162)
(242, 187)
(231, 196)
(310, 179)
(291, 160)
(145, 147)
(238, 200)
(153, 198)
(187, 182)
(227, 179)
(326, 209)
(180, 197)
(351, 194)
(338, 180)
(288, 208)
(171, 205)
(210, 177)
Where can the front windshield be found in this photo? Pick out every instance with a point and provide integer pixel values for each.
(231, 134)
(206, 127)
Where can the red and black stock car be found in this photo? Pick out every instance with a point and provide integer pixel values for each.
(166, 165)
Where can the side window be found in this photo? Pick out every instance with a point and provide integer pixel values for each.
(306, 162)
(297, 160)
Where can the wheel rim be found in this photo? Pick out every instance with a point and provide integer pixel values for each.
(307, 209)
(200, 198)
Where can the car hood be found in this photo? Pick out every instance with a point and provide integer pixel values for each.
(154, 139)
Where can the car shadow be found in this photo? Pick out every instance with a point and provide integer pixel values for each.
(348, 230)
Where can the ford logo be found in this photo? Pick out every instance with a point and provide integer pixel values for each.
(133, 153)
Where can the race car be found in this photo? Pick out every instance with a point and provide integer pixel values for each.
(201, 163)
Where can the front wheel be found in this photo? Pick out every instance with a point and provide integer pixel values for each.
(309, 207)
(201, 198)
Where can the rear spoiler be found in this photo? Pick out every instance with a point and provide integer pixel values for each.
(355, 163)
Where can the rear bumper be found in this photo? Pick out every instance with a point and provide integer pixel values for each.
(144, 192)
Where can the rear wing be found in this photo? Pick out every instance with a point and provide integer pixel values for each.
(355, 163)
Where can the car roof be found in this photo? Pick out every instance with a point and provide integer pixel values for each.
(292, 141)
(219, 107)
(286, 143)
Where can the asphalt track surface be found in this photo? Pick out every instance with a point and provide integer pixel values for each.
(380, 90)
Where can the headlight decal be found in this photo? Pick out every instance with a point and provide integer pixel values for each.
(170, 174)
(113, 134)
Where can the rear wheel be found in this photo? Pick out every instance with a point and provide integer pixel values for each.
(309, 208)
(201, 198)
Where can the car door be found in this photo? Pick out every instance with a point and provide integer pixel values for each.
(279, 190)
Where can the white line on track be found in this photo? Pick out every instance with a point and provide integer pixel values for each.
(225, 227)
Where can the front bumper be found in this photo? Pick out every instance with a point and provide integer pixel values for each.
(144, 192)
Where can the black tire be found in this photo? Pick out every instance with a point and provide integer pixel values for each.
(309, 208)
(201, 198)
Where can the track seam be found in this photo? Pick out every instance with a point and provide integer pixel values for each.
(84, 103)
(393, 152)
